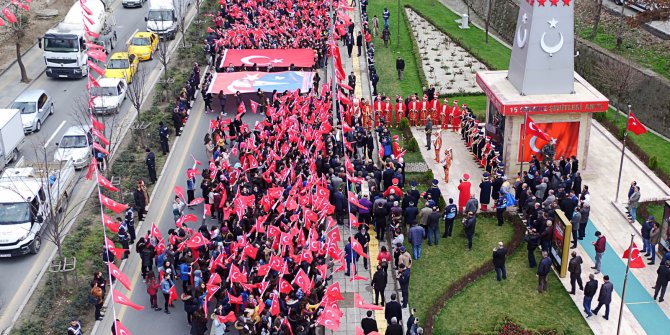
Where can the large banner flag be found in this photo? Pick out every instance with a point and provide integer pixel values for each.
(300, 58)
(565, 133)
(247, 82)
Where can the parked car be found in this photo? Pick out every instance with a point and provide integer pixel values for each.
(75, 145)
(122, 65)
(35, 106)
(108, 97)
(143, 44)
(132, 3)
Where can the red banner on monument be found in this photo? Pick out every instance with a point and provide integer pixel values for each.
(565, 133)
(300, 58)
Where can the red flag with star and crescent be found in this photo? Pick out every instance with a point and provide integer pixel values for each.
(120, 298)
(635, 126)
(533, 130)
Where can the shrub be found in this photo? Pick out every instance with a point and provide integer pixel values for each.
(412, 145)
(30, 327)
(404, 124)
(653, 162)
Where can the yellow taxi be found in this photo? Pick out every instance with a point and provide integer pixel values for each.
(143, 44)
(122, 65)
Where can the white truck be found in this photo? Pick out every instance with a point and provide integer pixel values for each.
(165, 16)
(65, 45)
(31, 199)
(11, 136)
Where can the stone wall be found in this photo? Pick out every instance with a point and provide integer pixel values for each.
(646, 91)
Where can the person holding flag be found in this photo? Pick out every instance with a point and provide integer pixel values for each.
(169, 291)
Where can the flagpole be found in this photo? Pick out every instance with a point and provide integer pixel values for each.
(523, 141)
(625, 280)
(623, 150)
(333, 94)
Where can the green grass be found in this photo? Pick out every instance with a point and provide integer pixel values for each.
(515, 298)
(654, 57)
(442, 265)
(650, 143)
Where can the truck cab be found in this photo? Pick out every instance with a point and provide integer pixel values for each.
(30, 198)
(164, 17)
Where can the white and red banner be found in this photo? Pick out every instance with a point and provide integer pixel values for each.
(300, 58)
(247, 82)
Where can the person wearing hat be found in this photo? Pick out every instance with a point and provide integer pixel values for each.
(496, 185)
(435, 109)
(394, 187)
(455, 117)
(444, 114)
(434, 192)
(437, 144)
(405, 258)
(387, 108)
(464, 187)
(423, 110)
(403, 280)
(485, 192)
(400, 110)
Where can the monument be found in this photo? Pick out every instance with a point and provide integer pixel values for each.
(541, 83)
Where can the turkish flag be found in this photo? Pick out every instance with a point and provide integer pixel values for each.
(253, 163)
(236, 276)
(230, 317)
(334, 293)
(636, 262)
(97, 124)
(211, 290)
(254, 106)
(234, 300)
(155, 232)
(99, 148)
(274, 308)
(263, 270)
(330, 318)
(179, 191)
(635, 126)
(533, 130)
(241, 108)
(116, 273)
(196, 201)
(353, 199)
(112, 205)
(334, 236)
(92, 165)
(100, 136)
(119, 298)
(358, 248)
(302, 280)
(173, 294)
(9, 15)
(284, 286)
(111, 247)
(250, 251)
(360, 303)
(110, 223)
(104, 182)
(196, 241)
(121, 329)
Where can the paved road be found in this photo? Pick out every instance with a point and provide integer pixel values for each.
(18, 274)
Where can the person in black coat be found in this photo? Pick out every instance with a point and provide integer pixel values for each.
(496, 185)
(379, 280)
(577, 183)
(589, 291)
(393, 328)
(499, 254)
(359, 42)
(485, 192)
(662, 280)
(369, 324)
(393, 309)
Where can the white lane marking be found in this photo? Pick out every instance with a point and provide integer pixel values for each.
(54, 134)
(131, 36)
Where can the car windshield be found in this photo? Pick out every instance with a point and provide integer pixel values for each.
(140, 41)
(25, 107)
(160, 15)
(103, 91)
(118, 64)
(61, 44)
(14, 213)
(73, 141)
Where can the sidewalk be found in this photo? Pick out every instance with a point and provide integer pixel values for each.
(10, 76)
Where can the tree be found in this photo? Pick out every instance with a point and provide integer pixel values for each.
(619, 78)
(164, 54)
(181, 7)
(596, 18)
(136, 90)
(17, 31)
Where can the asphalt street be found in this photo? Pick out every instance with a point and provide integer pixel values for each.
(19, 274)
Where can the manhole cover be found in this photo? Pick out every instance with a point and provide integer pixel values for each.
(348, 301)
(416, 167)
